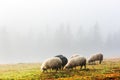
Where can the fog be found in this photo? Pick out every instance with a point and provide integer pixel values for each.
(33, 30)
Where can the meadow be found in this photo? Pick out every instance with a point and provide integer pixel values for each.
(108, 70)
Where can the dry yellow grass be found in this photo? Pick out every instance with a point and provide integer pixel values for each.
(109, 69)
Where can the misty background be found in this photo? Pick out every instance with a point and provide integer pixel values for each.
(31, 31)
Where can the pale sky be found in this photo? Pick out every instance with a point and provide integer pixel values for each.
(21, 14)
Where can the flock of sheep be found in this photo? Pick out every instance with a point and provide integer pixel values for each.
(61, 62)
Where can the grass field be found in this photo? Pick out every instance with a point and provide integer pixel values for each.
(108, 70)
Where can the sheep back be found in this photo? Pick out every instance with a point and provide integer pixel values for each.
(74, 55)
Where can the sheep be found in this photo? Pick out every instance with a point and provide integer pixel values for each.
(74, 55)
(63, 59)
(51, 63)
(96, 57)
(76, 61)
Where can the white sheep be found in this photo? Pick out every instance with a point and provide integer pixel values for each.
(51, 63)
(96, 57)
(76, 61)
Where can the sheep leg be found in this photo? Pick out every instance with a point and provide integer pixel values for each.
(80, 67)
(45, 70)
(56, 69)
(62, 68)
(100, 62)
(85, 66)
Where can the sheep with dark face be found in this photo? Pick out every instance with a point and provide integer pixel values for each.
(74, 55)
(76, 61)
(51, 63)
(96, 57)
(63, 59)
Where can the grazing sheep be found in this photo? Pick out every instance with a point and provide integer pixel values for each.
(74, 55)
(96, 57)
(76, 61)
(51, 63)
(63, 59)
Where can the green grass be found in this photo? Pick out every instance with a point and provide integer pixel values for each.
(31, 71)
(20, 72)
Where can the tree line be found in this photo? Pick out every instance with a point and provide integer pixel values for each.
(62, 39)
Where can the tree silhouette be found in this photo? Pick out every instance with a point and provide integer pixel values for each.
(81, 38)
(63, 38)
(113, 42)
(5, 42)
(97, 39)
(59, 37)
